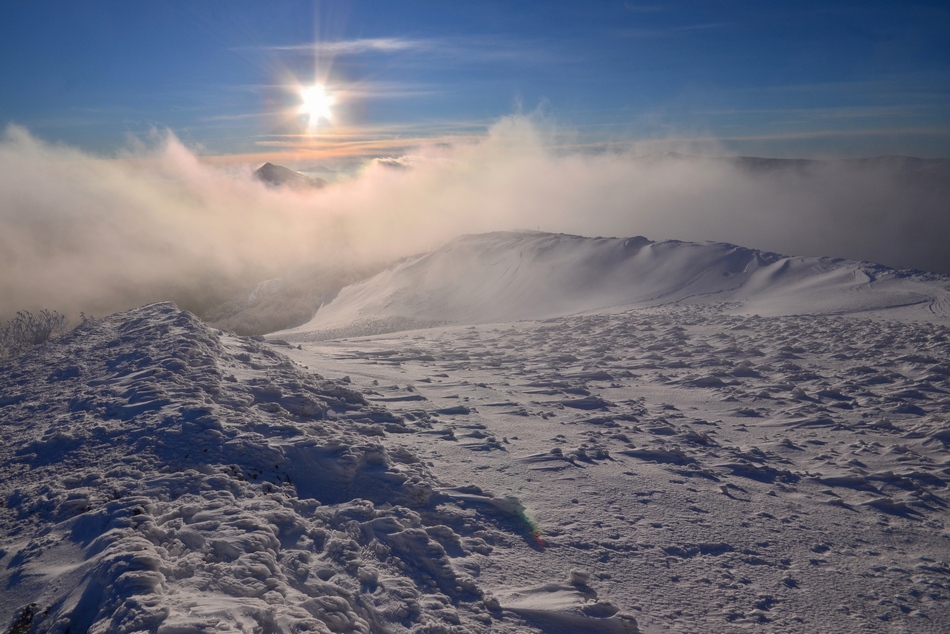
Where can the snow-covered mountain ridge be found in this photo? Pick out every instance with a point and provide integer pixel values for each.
(162, 476)
(504, 276)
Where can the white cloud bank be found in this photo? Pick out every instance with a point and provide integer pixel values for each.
(84, 233)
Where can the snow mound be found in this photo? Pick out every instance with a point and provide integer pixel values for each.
(161, 476)
(567, 607)
(499, 277)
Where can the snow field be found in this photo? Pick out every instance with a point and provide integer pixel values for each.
(581, 435)
(712, 472)
(160, 476)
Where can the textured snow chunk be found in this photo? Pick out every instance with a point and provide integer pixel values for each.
(565, 607)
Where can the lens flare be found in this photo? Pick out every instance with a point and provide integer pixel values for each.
(316, 104)
(527, 520)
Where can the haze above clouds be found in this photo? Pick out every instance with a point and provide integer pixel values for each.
(84, 233)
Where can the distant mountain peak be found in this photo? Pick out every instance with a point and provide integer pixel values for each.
(280, 176)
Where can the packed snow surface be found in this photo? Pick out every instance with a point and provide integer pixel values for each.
(161, 476)
(589, 435)
(503, 276)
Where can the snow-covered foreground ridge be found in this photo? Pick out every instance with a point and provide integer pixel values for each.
(498, 277)
(162, 476)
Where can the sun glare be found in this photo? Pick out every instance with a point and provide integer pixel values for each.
(316, 104)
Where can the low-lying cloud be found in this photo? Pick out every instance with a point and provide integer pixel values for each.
(84, 233)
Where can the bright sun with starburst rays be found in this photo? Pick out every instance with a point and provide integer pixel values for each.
(316, 104)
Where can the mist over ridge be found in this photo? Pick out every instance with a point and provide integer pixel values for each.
(504, 277)
(85, 233)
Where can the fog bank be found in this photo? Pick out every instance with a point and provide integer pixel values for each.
(84, 233)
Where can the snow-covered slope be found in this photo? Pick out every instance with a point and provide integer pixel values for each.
(161, 476)
(660, 451)
(500, 277)
(284, 302)
(715, 472)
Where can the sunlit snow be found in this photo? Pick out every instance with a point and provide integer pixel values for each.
(518, 432)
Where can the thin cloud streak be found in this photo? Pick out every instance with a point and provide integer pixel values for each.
(825, 134)
(460, 49)
(363, 142)
(842, 112)
(242, 116)
(422, 128)
(381, 141)
(380, 91)
(368, 149)
(359, 46)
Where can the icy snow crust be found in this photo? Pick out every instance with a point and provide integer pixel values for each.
(507, 276)
(720, 439)
(693, 434)
(710, 472)
(161, 476)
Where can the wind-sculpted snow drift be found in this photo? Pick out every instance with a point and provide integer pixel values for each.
(725, 439)
(712, 437)
(719, 472)
(162, 476)
(500, 277)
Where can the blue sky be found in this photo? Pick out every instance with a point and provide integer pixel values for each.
(756, 78)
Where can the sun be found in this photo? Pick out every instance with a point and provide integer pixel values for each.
(316, 103)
